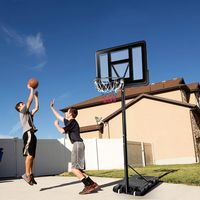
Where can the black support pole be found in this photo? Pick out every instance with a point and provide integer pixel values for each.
(123, 107)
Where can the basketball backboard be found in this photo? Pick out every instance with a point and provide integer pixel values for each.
(128, 62)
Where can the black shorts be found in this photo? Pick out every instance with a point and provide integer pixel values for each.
(30, 142)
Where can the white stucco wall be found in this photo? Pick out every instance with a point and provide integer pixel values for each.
(54, 156)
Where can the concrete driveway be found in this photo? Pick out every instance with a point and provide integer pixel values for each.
(63, 188)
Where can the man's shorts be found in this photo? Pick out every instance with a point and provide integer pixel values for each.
(78, 155)
(30, 142)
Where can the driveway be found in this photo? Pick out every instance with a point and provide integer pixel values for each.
(63, 188)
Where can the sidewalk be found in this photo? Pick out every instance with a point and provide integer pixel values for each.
(60, 188)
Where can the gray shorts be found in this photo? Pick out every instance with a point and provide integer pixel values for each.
(78, 155)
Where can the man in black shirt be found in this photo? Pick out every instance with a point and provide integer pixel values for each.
(78, 150)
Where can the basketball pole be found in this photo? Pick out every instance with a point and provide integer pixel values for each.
(123, 107)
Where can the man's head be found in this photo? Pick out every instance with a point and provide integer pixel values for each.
(19, 106)
(71, 113)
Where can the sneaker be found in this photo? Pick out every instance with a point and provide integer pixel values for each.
(95, 186)
(27, 179)
(87, 189)
(32, 179)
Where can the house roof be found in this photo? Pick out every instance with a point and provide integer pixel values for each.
(96, 127)
(133, 92)
(193, 87)
(99, 127)
(155, 98)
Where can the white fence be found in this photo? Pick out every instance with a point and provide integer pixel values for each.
(53, 156)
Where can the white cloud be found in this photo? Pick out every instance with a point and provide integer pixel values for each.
(35, 45)
(13, 36)
(39, 66)
(32, 43)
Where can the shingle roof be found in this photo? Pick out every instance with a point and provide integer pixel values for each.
(193, 87)
(133, 92)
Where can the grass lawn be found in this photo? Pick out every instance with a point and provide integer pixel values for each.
(187, 174)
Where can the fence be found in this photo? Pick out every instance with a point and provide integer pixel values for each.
(54, 156)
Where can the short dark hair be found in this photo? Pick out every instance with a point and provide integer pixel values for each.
(17, 105)
(73, 111)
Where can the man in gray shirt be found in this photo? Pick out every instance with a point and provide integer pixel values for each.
(29, 138)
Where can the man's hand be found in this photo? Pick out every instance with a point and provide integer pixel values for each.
(29, 87)
(55, 112)
(52, 103)
(60, 129)
(30, 98)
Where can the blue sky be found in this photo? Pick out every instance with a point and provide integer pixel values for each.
(56, 41)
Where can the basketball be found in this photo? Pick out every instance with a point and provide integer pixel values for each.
(33, 83)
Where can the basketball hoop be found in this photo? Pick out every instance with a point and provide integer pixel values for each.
(129, 64)
(108, 88)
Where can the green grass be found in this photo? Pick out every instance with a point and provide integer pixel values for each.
(186, 174)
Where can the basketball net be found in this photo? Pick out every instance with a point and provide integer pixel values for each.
(108, 89)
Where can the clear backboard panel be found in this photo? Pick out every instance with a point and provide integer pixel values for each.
(127, 61)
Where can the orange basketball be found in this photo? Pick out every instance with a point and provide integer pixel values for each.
(33, 83)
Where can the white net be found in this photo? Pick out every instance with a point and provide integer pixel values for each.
(105, 86)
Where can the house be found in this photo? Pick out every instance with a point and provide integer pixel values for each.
(164, 116)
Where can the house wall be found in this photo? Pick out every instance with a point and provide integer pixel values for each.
(167, 127)
(196, 132)
(174, 95)
(92, 134)
(193, 99)
(86, 116)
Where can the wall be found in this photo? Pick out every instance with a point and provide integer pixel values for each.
(174, 95)
(50, 157)
(166, 126)
(54, 156)
(193, 99)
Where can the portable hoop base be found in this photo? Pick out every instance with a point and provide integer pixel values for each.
(138, 186)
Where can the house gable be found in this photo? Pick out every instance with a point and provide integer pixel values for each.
(155, 98)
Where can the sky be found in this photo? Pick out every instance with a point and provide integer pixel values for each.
(56, 40)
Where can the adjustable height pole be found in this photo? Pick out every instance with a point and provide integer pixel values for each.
(124, 138)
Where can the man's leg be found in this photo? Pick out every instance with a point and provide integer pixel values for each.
(94, 184)
(29, 149)
(78, 163)
(90, 185)
(33, 151)
(78, 173)
(28, 169)
(28, 165)
(28, 159)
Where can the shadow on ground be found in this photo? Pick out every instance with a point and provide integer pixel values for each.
(61, 185)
